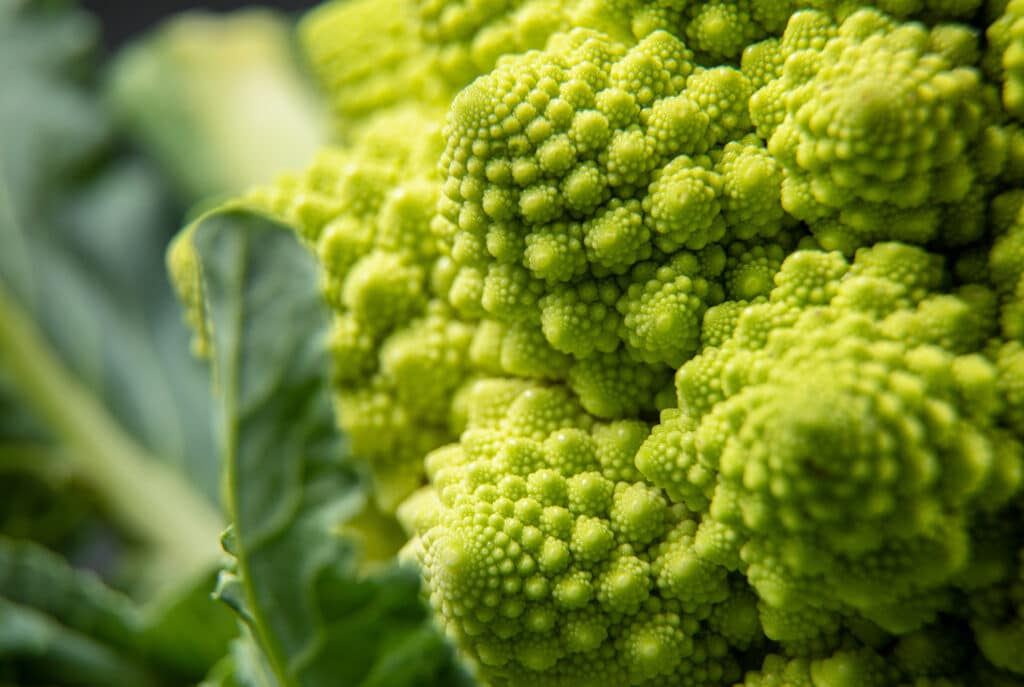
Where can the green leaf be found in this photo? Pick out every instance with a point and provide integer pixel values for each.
(39, 648)
(64, 624)
(92, 345)
(140, 492)
(244, 666)
(106, 442)
(291, 487)
(186, 629)
(31, 576)
(43, 499)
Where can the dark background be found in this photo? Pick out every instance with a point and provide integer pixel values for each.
(123, 19)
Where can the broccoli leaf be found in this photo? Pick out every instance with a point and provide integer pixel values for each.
(38, 647)
(244, 666)
(318, 615)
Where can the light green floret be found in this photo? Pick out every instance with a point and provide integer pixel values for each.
(382, 290)
(958, 43)
(751, 189)
(883, 132)
(615, 385)
(722, 92)
(718, 30)
(998, 619)
(574, 178)
(663, 305)
(470, 37)
(1005, 265)
(400, 352)
(720, 321)
(582, 319)
(1010, 364)
(616, 238)
(367, 56)
(846, 668)
(762, 62)
(388, 437)
(185, 270)
(722, 28)
(846, 433)
(516, 349)
(927, 10)
(550, 565)
(684, 205)
(534, 152)
(750, 271)
(609, 384)
(426, 363)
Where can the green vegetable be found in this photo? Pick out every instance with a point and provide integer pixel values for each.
(603, 342)
(683, 339)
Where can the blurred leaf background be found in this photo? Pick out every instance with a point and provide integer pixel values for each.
(114, 130)
(167, 520)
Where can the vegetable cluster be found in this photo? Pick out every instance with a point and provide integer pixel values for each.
(700, 323)
(605, 342)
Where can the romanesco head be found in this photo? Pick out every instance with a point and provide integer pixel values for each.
(704, 321)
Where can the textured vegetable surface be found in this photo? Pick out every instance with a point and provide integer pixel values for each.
(684, 339)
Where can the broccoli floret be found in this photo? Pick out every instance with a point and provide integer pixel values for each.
(551, 566)
(866, 157)
(848, 448)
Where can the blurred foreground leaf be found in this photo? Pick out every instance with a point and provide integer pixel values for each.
(61, 624)
(92, 341)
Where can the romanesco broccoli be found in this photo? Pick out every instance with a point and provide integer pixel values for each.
(693, 332)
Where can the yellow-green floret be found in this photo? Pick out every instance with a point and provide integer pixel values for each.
(587, 189)
(1006, 55)
(551, 563)
(847, 433)
(882, 134)
(368, 56)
